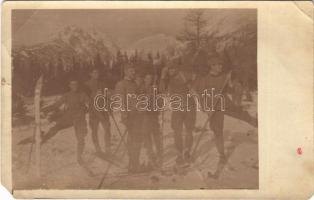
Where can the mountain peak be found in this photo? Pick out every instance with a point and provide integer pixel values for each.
(70, 41)
(153, 43)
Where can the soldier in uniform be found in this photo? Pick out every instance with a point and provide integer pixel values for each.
(178, 83)
(75, 106)
(131, 117)
(94, 87)
(151, 127)
(218, 79)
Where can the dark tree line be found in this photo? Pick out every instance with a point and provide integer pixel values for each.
(26, 71)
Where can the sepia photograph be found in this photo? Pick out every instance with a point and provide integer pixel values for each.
(157, 100)
(126, 99)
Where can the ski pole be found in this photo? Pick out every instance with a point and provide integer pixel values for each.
(109, 165)
(210, 115)
(116, 124)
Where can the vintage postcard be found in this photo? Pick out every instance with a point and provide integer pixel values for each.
(157, 99)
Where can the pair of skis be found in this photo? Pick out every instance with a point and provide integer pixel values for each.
(37, 128)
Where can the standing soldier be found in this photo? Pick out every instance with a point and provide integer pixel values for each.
(94, 87)
(218, 79)
(151, 129)
(215, 80)
(179, 84)
(131, 117)
(75, 106)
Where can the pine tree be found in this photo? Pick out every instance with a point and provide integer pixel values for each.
(136, 56)
(194, 28)
(60, 67)
(108, 62)
(158, 55)
(98, 63)
(125, 57)
(117, 66)
(119, 58)
(150, 58)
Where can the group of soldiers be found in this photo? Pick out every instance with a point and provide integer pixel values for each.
(144, 130)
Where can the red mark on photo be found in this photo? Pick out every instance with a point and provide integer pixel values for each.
(299, 151)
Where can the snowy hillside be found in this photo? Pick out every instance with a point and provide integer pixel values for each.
(60, 169)
(153, 44)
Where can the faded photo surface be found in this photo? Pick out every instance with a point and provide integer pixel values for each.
(142, 99)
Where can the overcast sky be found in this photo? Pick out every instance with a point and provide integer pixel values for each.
(124, 26)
